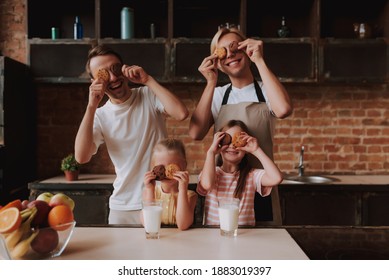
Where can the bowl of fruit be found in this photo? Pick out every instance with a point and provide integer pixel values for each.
(36, 229)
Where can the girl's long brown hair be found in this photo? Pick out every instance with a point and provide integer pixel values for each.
(244, 166)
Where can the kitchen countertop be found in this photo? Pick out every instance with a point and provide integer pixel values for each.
(82, 178)
(349, 180)
(340, 179)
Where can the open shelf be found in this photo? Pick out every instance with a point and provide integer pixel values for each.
(322, 46)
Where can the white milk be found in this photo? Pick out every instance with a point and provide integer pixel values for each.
(152, 216)
(228, 215)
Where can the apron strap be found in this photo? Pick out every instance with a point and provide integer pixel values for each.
(226, 95)
(258, 92)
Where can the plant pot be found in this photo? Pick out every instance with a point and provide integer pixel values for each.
(71, 175)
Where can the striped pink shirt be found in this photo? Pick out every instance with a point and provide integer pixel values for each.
(225, 187)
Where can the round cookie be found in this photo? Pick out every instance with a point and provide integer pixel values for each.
(226, 140)
(233, 46)
(171, 169)
(103, 74)
(221, 53)
(159, 172)
(237, 140)
(116, 69)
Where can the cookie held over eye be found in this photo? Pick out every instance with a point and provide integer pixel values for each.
(171, 169)
(221, 53)
(103, 74)
(116, 69)
(159, 172)
(238, 141)
(226, 140)
(233, 46)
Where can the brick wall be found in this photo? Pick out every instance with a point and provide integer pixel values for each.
(13, 29)
(344, 128)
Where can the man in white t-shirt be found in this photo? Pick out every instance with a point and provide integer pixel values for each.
(130, 123)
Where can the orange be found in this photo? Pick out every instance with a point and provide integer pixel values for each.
(15, 203)
(60, 215)
(10, 220)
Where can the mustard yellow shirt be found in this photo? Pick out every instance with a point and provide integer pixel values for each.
(169, 203)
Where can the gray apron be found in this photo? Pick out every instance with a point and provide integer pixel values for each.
(260, 123)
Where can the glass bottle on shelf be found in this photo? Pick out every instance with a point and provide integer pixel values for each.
(78, 31)
(283, 31)
(152, 31)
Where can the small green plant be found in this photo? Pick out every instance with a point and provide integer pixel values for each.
(69, 163)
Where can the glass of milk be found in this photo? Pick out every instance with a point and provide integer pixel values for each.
(152, 215)
(228, 215)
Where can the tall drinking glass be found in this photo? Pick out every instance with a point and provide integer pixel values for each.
(228, 215)
(152, 215)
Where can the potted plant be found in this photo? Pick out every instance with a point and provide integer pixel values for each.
(70, 167)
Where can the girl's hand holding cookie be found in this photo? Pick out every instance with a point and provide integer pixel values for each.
(149, 179)
(216, 147)
(183, 179)
(226, 140)
(251, 143)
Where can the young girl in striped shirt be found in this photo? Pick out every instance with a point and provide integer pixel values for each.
(231, 175)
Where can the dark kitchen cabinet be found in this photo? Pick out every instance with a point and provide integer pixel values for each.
(150, 54)
(63, 61)
(90, 194)
(347, 60)
(17, 130)
(322, 45)
(334, 205)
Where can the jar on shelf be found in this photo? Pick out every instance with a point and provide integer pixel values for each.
(362, 30)
(283, 31)
(127, 23)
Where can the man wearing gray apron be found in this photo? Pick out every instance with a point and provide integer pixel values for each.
(234, 55)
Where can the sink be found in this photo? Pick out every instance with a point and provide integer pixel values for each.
(310, 179)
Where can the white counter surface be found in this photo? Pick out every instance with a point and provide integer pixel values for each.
(97, 243)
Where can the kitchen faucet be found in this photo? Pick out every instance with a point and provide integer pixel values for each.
(301, 162)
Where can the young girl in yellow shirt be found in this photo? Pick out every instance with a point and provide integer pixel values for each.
(178, 202)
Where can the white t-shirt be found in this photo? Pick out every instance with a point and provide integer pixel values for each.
(237, 95)
(130, 131)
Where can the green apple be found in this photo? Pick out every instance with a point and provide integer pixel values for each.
(62, 199)
(46, 196)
